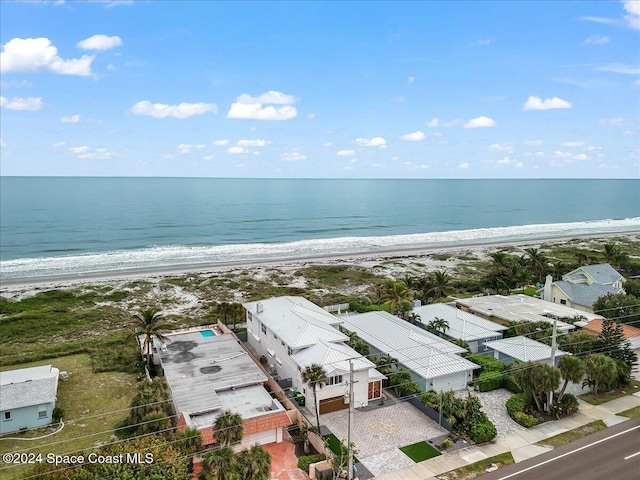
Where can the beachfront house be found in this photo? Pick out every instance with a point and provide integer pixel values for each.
(523, 349)
(581, 287)
(208, 372)
(27, 397)
(506, 309)
(462, 326)
(292, 333)
(433, 362)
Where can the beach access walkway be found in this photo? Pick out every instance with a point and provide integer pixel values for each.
(522, 444)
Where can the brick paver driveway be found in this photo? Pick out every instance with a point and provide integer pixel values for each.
(378, 433)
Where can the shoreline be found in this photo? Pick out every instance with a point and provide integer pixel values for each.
(367, 259)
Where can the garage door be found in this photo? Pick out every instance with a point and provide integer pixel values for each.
(450, 382)
(261, 438)
(332, 404)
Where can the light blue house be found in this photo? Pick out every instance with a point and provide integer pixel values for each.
(27, 397)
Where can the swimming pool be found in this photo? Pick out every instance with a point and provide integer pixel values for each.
(207, 333)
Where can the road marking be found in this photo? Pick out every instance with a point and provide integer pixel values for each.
(571, 452)
(631, 456)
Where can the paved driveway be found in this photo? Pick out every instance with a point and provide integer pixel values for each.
(378, 433)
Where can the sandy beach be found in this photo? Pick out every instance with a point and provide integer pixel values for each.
(393, 264)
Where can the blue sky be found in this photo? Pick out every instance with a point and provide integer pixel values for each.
(321, 89)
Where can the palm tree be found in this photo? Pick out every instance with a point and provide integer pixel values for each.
(219, 464)
(440, 284)
(254, 463)
(227, 429)
(438, 325)
(600, 369)
(148, 323)
(572, 370)
(395, 294)
(189, 440)
(537, 262)
(386, 363)
(316, 376)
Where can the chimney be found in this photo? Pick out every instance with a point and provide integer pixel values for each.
(259, 307)
(547, 289)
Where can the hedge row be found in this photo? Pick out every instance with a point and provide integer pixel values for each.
(493, 380)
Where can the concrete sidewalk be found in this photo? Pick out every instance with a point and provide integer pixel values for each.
(522, 445)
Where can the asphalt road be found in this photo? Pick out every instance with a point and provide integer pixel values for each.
(610, 454)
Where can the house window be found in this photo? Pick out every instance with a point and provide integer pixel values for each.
(7, 415)
(563, 301)
(337, 380)
(263, 327)
(249, 316)
(42, 411)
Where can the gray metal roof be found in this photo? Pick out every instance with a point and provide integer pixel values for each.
(462, 325)
(602, 273)
(297, 321)
(583, 294)
(197, 368)
(523, 349)
(28, 386)
(422, 352)
(334, 358)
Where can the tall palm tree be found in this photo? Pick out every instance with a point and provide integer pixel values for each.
(600, 369)
(316, 377)
(537, 262)
(396, 293)
(148, 323)
(219, 464)
(438, 325)
(440, 284)
(254, 463)
(385, 364)
(227, 429)
(572, 370)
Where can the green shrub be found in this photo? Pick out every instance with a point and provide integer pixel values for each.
(489, 381)
(447, 443)
(56, 415)
(487, 364)
(510, 384)
(306, 460)
(516, 403)
(482, 432)
(525, 420)
(568, 405)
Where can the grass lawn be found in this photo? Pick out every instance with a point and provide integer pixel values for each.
(630, 389)
(477, 469)
(92, 404)
(631, 413)
(336, 446)
(420, 451)
(574, 434)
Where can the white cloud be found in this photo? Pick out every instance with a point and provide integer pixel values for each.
(438, 122)
(559, 154)
(580, 156)
(184, 148)
(19, 103)
(221, 143)
(99, 42)
(79, 150)
(480, 122)
(632, 8)
(620, 68)
(293, 156)
(96, 154)
(410, 80)
(602, 20)
(596, 40)
(327, 145)
(33, 54)
(237, 150)
(70, 119)
(208, 157)
(533, 143)
(481, 43)
(614, 121)
(413, 137)
(253, 108)
(345, 153)
(182, 110)
(200, 146)
(501, 147)
(58, 144)
(464, 165)
(252, 143)
(311, 116)
(629, 133)
(372, 142)
(536, 103)
(573, 144)
(504, 161)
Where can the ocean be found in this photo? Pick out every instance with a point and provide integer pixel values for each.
(52, 227)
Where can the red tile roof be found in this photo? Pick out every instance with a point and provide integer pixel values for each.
(628, 331)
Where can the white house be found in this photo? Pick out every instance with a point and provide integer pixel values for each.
(27, 397)
(523, 349)
(462, 325)
(293, 333)
(433, 362)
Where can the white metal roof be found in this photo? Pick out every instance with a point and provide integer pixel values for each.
(462, 325)
(333, 357)
(297, 321)
(524, 349)
(427, 355)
